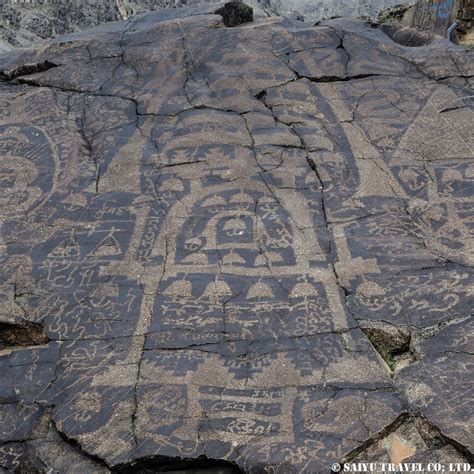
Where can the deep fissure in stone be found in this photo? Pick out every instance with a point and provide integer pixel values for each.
(198, 465)
(22, 335)
(410, 438)
(26, 70)
(390, 341)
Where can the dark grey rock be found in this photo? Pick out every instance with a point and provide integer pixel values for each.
(235, 13)
(199, 222)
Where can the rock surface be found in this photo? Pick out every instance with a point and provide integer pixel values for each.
(318, 10)
(194, 221)
(24, 23)
(235, 13)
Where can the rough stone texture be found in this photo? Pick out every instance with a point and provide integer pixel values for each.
(412, 439)
(235, 13)
(197, 217)
(317, 10)
(23, 23)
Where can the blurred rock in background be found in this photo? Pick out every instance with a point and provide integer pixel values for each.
(435, 16)
(318, 10)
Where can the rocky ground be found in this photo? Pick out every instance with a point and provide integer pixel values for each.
(23, 23)
(236, 249)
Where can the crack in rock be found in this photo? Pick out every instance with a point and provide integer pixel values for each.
(390, 341)
(198, 465)
(411, 438)
(23, 334)
(26, 70)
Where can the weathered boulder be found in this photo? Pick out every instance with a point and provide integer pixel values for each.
(235, 13)
(194, 219)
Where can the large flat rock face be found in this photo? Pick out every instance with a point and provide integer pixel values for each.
(199, 223)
